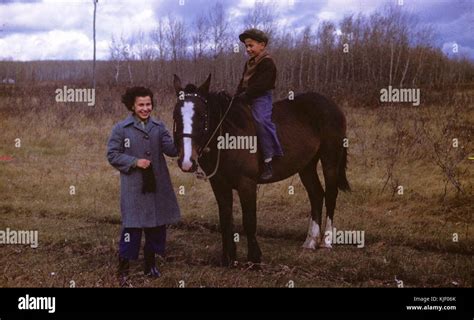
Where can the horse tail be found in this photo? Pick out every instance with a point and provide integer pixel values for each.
(342, 182)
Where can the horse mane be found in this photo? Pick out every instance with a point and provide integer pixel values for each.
(190, 88)
(220, 101)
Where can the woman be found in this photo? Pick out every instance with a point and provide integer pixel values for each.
(147, 199)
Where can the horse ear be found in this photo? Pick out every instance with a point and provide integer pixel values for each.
(177, 84)
(204, 88)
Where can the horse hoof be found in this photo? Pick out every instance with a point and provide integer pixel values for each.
(229, 264)
(310, 244)
(326, 246)
(253, 266)
(254, 254)
(254, 259)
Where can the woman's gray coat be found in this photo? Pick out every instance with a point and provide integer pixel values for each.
(128, 142)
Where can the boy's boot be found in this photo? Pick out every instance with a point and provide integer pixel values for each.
(267, 173)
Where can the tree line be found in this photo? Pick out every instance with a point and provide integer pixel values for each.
(353, 58)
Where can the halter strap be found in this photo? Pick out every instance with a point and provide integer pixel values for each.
(196, 95)
(206, 122)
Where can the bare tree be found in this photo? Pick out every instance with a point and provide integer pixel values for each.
(199, 37)
(176, 38)
(304, 51)
(158, 36)
(144, 50)
(218, 27)
(122, 51)
(116, 56)
(326, 41)
(262, 16)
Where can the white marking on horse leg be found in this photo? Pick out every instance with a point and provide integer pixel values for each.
(328, 234)
(187, 112)
(312, 239)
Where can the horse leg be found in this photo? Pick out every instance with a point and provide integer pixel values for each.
(247, 189)
(223, 193)
(309, 178)
(330, 160)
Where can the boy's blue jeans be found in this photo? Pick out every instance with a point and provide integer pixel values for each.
(130, 240)
(266, 131)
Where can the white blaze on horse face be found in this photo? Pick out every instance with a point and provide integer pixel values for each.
(328, 236)
(312, 239)
(187, 111)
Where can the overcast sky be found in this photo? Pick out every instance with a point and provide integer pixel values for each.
(62, 29)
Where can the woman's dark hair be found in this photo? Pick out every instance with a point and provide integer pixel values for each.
(128, 99)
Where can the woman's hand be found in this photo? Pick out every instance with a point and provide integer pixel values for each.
(143, 163)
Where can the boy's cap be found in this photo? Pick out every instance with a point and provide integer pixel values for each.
(255, 34)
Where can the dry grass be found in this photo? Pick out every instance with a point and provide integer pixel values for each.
(407, 236)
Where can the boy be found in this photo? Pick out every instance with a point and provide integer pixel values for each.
(258, 80)
(147, 199)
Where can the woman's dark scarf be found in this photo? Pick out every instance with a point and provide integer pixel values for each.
(149, 182)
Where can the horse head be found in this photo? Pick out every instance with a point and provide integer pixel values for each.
(191, 122)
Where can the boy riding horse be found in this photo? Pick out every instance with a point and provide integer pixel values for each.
(255, 87)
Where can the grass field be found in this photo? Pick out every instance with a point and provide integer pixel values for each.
(408, 237)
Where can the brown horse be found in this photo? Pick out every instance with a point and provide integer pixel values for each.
(310, 128)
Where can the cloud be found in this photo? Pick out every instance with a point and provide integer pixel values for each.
(439, 11)
(56, 44)
(2, 2)
(336, 9)
(36, 31)
(456, 30)
(187, 9)
(455, 50)
(34, 17)
(62, 29)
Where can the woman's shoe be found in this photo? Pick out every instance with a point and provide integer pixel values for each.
(150, 269)
(153, 272)
(123, 268)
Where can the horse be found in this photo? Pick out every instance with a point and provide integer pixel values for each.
(311, 128)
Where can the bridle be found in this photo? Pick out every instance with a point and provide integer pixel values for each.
(200, 174)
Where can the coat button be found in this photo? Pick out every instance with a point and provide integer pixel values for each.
(146, 137)
(148, 153)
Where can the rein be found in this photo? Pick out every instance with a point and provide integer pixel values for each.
(219, 126)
